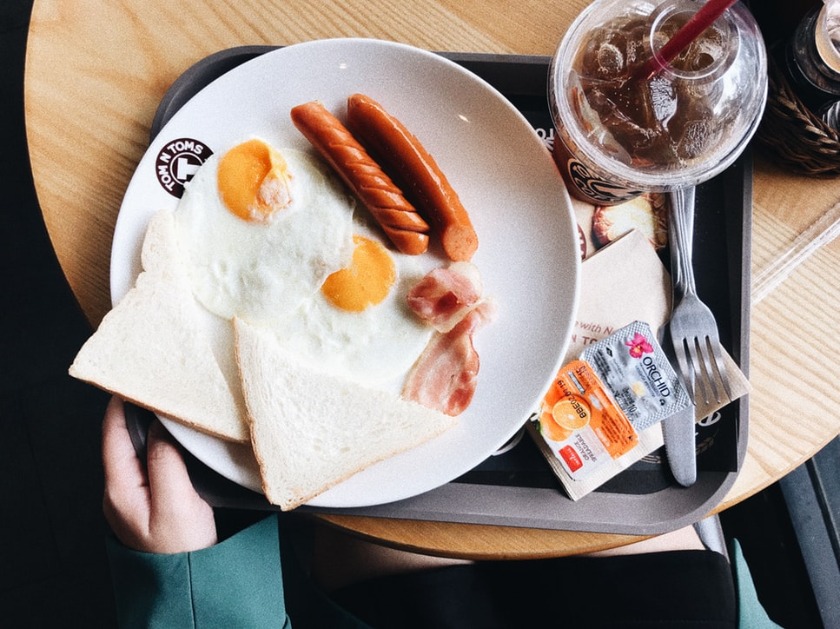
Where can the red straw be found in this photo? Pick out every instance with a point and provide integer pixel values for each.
(692, 29)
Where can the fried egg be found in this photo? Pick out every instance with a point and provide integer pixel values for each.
(359, 325)
(262, 230)
(270, 236)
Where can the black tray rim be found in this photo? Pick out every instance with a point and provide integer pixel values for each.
(600, 512)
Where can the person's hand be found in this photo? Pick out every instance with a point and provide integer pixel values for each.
(155, 509)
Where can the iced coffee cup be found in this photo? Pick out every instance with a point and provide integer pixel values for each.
(622, 130)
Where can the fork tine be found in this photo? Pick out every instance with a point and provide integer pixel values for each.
(714, 380)
(686, 368)
(720, 364)
(701, 370)
(712, 389)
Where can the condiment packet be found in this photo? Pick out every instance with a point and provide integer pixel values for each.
(581, 423)
(638, 374)
(602, 412)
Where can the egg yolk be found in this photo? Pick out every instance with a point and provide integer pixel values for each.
(366, 282)
(253, 181)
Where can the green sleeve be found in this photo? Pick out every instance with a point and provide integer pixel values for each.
(236, 583)
(751, 614)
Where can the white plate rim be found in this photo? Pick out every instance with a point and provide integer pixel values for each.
(377, 484)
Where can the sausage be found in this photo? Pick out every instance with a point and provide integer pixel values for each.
(414, 168)
(385, 201)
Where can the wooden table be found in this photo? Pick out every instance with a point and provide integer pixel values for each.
(95, 73)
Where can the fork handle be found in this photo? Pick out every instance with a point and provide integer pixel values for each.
(681, 239)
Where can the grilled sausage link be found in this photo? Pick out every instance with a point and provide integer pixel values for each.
(385, 201)
(415, 169)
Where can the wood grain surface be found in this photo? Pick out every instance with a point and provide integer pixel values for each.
(95, 73)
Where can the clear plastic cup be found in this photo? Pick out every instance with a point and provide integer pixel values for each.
(618, 134)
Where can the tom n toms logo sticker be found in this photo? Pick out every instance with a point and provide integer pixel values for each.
(177, 162)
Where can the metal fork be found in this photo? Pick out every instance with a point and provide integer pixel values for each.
(693, 328)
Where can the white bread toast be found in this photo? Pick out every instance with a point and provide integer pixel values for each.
(152, 350)
(310, 430)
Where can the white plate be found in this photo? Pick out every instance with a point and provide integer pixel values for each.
(528, 252)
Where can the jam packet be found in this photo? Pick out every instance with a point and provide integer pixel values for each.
(579, 417)
(602, 412)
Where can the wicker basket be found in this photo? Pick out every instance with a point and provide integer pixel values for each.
(796, 137)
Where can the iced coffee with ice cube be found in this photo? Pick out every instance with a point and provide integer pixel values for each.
(622, 129)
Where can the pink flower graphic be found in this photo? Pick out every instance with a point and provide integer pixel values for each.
(639, 345)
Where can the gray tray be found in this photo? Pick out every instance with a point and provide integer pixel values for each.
(517, 488)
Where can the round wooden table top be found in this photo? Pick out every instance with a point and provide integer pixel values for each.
(95, 73)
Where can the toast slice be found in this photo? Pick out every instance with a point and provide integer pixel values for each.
(310, 430)
(153, 350)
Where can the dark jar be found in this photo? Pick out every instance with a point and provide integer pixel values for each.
(815, 82)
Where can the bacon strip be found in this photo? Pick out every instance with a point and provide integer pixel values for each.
(445, 295)
(445, 375)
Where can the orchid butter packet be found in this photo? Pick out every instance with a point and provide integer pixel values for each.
(639, 375)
